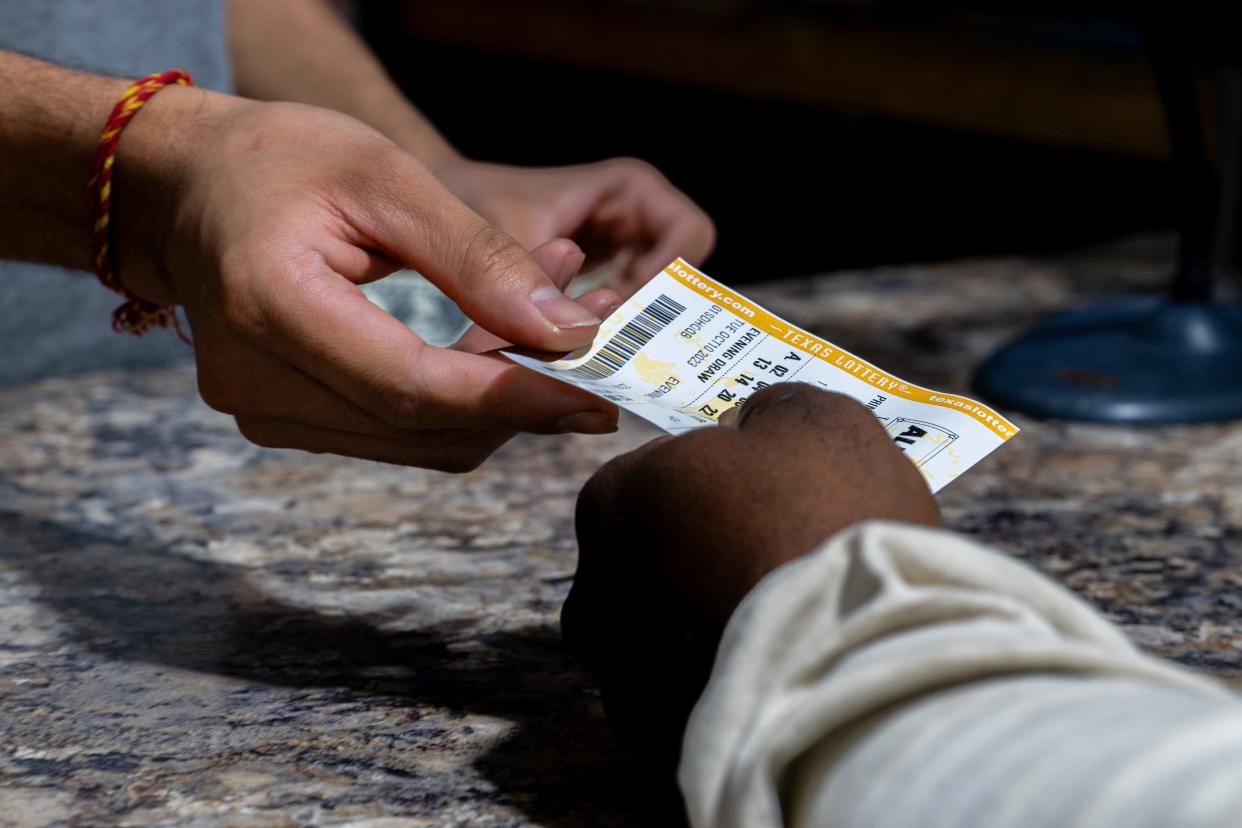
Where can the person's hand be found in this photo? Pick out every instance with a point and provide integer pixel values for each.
(673, 535)
(620, 210)
(265, 218)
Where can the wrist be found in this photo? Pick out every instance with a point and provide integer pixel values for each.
(154, 162)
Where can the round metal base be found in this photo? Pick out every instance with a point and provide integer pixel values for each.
(1139, 362)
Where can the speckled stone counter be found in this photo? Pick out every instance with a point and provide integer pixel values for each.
(194, 631)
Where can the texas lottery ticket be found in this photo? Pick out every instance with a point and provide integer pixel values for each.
(685, 349)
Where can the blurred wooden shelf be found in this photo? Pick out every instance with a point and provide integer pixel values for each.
(930, 74)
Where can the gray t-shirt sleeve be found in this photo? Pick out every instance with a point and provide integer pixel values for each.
(125, 38)
(54, 321)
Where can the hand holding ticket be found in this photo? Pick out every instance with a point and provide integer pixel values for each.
(685, 349)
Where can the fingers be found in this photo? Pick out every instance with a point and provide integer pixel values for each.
(445, 450)
(670, 223)
(561, 259)
(488, 391)
(600, 302)
(323, 325)
(237, 379)
(494, 281)
(802, 410)
(478, 341)
(729, 418)
(279, 406)
(357, 264)
(692, 239)
(833, 431)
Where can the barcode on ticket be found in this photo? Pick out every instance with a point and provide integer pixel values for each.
(628, 341)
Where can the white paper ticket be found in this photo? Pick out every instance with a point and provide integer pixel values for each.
(685, 349)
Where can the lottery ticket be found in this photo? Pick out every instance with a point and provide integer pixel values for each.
(685, 349)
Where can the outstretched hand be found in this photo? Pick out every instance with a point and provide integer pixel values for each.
(673, 535)
(266, 224)
(622, 211)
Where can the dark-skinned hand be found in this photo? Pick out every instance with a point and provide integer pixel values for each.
(673, 535)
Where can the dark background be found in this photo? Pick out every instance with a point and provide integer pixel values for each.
(845, 135)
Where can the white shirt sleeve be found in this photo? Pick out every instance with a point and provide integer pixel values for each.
(901, 676)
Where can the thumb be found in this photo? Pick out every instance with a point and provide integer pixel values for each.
(561, 259)
(491, 278)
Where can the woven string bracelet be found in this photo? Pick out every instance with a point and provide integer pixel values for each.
(136, 315)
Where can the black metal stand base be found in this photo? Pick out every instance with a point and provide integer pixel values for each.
(1136, 362)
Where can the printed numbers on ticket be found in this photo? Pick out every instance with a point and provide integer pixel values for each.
(685, 349)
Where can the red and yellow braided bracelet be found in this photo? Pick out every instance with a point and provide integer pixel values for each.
(136, 316)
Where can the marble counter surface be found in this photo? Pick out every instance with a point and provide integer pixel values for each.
(194, 631)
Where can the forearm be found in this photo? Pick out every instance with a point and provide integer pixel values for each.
(894, 637)
(51, 123)
(302, 51)
(1026, 751)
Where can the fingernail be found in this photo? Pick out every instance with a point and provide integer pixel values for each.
(560, 310)
(588, 422)
(570, 265)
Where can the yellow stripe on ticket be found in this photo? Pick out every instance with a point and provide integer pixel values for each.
(831, 354)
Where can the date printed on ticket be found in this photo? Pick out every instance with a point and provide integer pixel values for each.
(685, 349)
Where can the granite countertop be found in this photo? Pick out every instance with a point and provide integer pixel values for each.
(197, 631)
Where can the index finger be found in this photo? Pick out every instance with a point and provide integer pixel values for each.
(411, 217)
(325, 326)
(691, 236)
